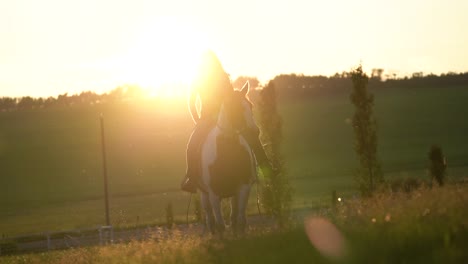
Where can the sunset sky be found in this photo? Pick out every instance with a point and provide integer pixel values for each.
(51, 47)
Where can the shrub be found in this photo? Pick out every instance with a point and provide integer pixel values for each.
(198, 209)
(169, 215)
(226, 210)
(406, 185)
(277, 191)
(8, 247)
(437, 165)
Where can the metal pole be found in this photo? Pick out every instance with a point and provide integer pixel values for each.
(106, 194)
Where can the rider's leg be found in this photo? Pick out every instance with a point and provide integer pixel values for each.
(189, 183)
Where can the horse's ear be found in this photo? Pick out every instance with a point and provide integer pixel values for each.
(245, 88)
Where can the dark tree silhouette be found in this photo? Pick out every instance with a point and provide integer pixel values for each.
(26, 103)
(377, 74)
(364, 124)
(437, 164)
(7, 104)
(287, 86)
(277, 192)
(241, 80)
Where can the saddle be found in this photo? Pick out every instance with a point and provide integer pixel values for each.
(231, 168)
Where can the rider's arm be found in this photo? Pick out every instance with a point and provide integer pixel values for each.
(193, 106)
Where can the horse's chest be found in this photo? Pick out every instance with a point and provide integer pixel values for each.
(230, 167)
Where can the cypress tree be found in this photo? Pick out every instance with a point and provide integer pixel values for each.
(369, 173)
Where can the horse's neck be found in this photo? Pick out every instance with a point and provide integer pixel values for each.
(223, 123)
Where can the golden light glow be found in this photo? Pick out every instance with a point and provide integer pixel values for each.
(51, 47)
(164, 58)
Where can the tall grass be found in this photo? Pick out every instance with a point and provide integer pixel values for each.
(426, 225)
(423, 226)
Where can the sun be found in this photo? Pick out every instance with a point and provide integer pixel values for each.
(165, 57)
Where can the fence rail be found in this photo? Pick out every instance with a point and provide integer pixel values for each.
(102, 235)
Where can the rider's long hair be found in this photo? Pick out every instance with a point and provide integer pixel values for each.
(211, 76)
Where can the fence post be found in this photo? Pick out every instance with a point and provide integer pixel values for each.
(106, 234)
(100, 236)
(48, 241)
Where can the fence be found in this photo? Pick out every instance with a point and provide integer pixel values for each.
(102, 235)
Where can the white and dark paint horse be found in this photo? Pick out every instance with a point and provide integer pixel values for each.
(234, 174)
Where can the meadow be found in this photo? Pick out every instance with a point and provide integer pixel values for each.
(51, 164)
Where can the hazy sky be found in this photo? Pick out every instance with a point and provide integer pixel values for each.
(50, 47)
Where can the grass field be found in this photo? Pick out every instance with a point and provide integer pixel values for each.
(423, 226)
(51, 165)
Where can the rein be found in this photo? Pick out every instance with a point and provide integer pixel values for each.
(236, 131)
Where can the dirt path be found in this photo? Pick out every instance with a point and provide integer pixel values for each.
(93, 237)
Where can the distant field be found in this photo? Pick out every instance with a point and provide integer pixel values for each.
(51, 165)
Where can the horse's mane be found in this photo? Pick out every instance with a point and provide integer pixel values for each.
(233, 105)
(246, 96)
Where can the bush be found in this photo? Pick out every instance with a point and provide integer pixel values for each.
(437, 165)
(198, 209)
(169, 215)
(277, 191)
(406, 185)
(8, 247)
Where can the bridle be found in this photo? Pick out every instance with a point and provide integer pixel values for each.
(232, 131)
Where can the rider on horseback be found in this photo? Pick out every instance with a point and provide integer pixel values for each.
(211, 85)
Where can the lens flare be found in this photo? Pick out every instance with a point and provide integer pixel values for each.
(325, 237)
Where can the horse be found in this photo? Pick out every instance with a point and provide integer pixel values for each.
(228, 165)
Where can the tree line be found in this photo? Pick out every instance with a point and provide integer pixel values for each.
(287, 86)
(118, 94)
(300, 86)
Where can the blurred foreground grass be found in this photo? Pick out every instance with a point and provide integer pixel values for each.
(427, 225)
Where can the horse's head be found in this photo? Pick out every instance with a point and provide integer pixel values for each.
(236, 114)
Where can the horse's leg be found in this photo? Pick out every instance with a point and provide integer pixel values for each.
(234, 213)
(216, 205)
(242, 199)
(208, 212)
